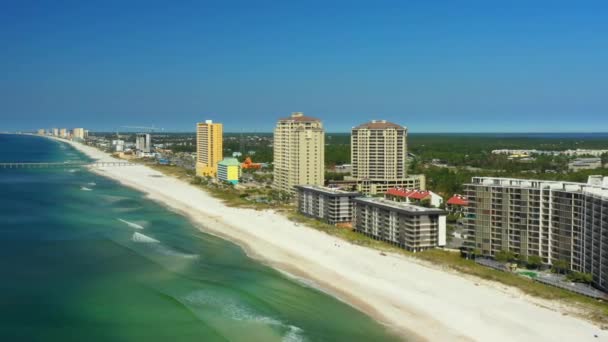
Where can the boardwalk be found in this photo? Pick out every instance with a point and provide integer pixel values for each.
(62, 165)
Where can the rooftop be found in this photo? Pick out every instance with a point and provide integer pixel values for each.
(379, 124)
(414, 194)
(229, 162)
(299, 117)
(597, 185)
(328, 190)
(401, 206)
(458, 200)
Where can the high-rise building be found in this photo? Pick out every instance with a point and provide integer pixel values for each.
(379, 158)
(78, 133)
(299, 152)
(143, 142)
(63, 133)
(209, 148)
(41, 131)
(55, 132)
(552, 220)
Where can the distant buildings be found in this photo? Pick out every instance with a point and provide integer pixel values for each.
(299, 152)
(520, 153)
(585, 164)
(229, 170)
(118, 145)
(408, 226)
(326, 204)
(41, 131)
(78, 133)
(209, 148)
(143, 143)
(556, 221)
(63, 133)
(55, 132)
(379, 158)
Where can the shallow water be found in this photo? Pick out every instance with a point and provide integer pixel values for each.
(85, 259)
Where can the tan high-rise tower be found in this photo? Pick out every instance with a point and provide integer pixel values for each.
(379, 157)
(299, 152)
(209, 148)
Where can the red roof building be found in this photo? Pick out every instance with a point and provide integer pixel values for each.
(414, 195)
(459, 200)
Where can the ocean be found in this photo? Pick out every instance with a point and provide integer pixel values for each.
(83, 258)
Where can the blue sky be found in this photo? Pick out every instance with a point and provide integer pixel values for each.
(434, 66)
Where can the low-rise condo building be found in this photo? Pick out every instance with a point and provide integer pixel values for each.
(408, 226)
(553, 220)
(331, 205)
(229, 170)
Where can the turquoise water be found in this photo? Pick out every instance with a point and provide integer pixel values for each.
(85, 259)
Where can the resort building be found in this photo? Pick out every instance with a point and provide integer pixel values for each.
(209, 148)
(299, 152)
(379, 158)
(408, 226)
(229, 170)
(55, 132)
(63, 133)
(331, 205)
(418, 197)
(553, 220)
(41, 131)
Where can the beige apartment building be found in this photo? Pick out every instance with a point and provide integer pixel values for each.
(63, 133)
(78, 133)
(209, 148)
(379, 158)
(299, 152)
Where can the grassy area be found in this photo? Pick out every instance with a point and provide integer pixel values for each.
(596, 311)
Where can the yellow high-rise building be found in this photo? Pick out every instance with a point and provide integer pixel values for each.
(209, 148)
(299, 152)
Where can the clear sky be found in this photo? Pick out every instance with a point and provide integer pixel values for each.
(434, 66)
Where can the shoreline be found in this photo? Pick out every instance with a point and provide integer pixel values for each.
(405, 295)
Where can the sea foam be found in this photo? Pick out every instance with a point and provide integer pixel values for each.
(131, 224)
(139, 237)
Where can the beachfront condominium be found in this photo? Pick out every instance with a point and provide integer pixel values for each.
(331, 205)
(55, 132)
(143, 142)
(209, 148)
(299, 152)
(408, 226)
(553, 220)
(229, 170)
(41, 131)
(78, 133)
(63, 133)
(379, 158)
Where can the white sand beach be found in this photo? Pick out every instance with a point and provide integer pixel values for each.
(409, 296)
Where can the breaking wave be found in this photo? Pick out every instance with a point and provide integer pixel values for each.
(131, 224)
(139, 237)
(84, 188)
(232, 309)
